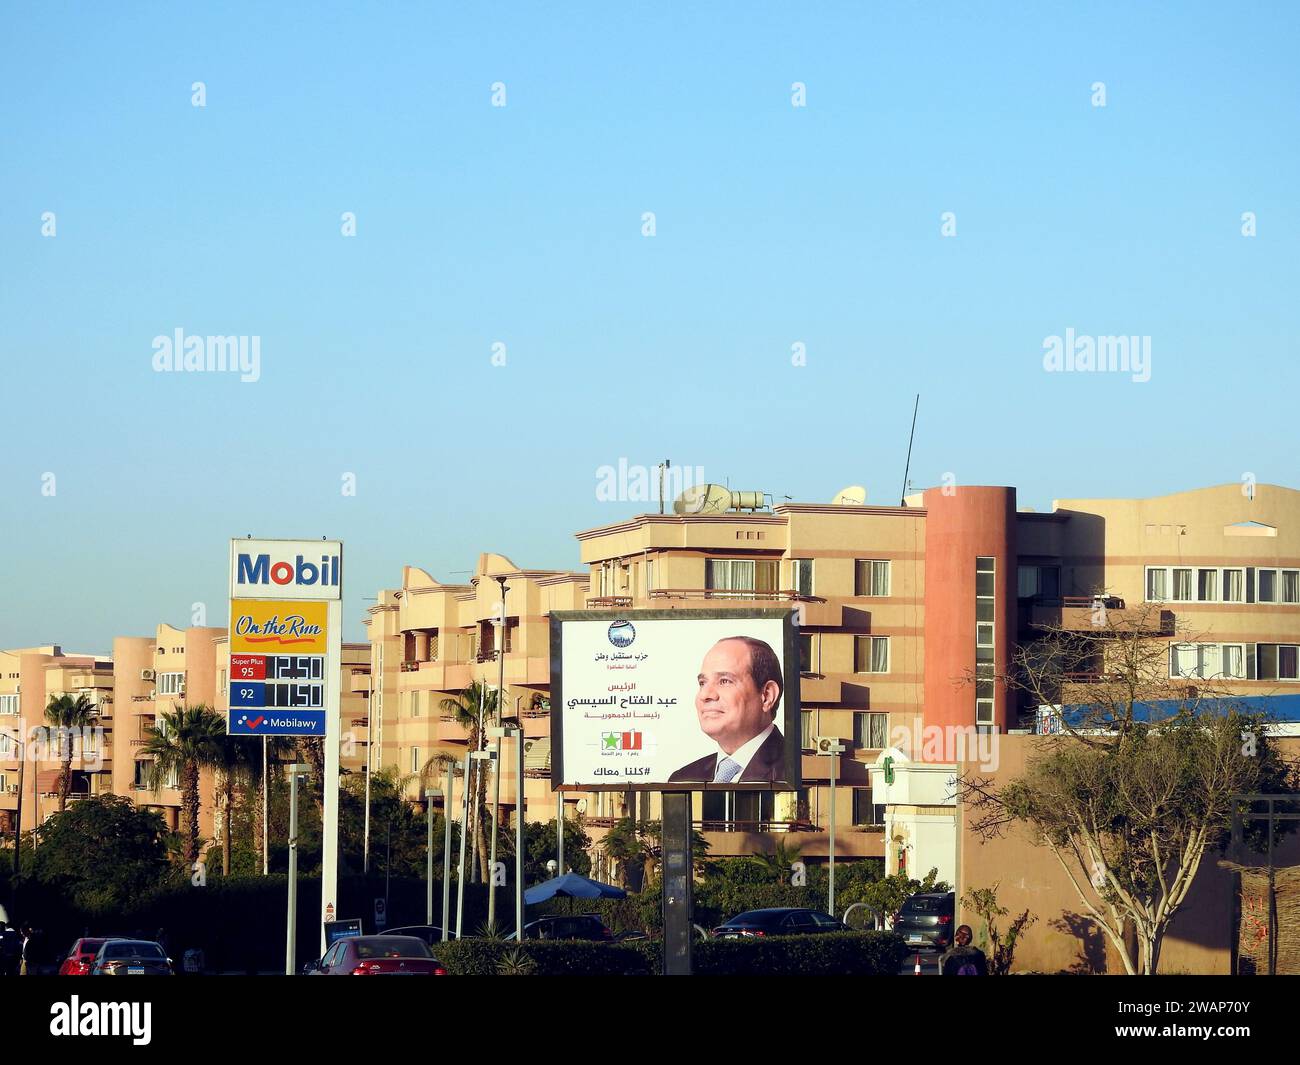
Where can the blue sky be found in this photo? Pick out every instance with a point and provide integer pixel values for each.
(522, 224)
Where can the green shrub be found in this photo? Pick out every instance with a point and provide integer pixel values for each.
(484, 957)
(833, 954)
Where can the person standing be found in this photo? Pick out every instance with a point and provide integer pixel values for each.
(961, 959)
(11, 950)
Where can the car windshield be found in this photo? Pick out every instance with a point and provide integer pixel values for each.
(393, 947)
(758, 917)
(134, 951)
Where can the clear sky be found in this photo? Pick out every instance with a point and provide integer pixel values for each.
(774, 225)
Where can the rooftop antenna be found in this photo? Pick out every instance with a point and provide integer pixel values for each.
(902, 502)
(662, 466)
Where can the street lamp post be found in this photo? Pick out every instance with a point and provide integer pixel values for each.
(466, 782)
(446, 851)
(429, 795)
(484, 759)
(831, 747)
(496, 775)
(370, 729)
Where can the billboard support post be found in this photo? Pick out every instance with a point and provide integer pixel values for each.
(559, 832)
(429, 796)
(519, 832)
(677, 883)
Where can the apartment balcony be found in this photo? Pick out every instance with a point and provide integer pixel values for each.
(745, 838)
(820, 689)
(816, 768)
(1099, 615)
(609, 602)
(359, 683)
(440, 675)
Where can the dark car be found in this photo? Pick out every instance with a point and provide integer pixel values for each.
(587, 926)
(430, 933)
(131, 957)
(926, 920)
(778, 921)
(377, 956)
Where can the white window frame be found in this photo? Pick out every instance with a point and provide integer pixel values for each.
(795, 565)
(889, 653)
(871, 581)
(1280, 573)
(1197, 671)
(170, 684)
(10, 703)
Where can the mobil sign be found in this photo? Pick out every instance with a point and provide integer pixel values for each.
(286, 569)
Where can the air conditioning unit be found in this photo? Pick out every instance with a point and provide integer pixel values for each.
(153, 693)
(147, 674)
(827, 745)
(12, 789)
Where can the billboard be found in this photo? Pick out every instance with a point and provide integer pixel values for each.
(279, 659)
(674, 700)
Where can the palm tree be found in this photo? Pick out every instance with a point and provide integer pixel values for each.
(279, 751)
(778, 864)
(233, 762)
(64, 714)
(471, 709)
(188, 740)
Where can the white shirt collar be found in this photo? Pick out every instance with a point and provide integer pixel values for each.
(745, 753)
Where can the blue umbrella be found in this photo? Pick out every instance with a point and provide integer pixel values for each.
(572, 886)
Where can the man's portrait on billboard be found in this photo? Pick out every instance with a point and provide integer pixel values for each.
(737, 697)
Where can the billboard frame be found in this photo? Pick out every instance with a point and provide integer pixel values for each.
(792, 724)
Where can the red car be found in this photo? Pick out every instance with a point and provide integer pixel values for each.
(378, 956)
(80, 957)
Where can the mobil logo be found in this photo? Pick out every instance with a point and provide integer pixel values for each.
(286, 569)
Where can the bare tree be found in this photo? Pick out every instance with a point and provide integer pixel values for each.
(1139, 782)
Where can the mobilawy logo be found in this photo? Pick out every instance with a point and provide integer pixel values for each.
(286, 569)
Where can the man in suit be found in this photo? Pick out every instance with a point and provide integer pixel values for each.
(739, 691)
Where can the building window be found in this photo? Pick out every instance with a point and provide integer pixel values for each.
(1276, 661)
(1182, 585)
(1038, 582)
(415, 759)
(222, 681)
(171, 684)
(806, 730)
(870, 577)
(9, 704)
(1208, 661)
(985, 610)
(871, 654)
(415, 704)
(871, 731)
(1266, 585)
(141, 781)
(865, 812)
(173, 777)
(741, 578)
(1207, 585)
(805, 652)
(1234, 584)
(1157, 585)
(801, 573)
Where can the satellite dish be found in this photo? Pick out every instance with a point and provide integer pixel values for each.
(703, 499)
(852, 496)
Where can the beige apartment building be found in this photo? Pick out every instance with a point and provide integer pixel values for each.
(429, 641)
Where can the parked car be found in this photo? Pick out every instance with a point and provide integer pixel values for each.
(926, 920)
(430, 933)
(131, 957)
(386, 955)
(587, 926)
(81, 957)
(778, 921)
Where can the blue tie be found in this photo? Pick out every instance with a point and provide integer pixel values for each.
(728, 770)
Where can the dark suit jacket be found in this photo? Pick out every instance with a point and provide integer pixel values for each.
(768, 764)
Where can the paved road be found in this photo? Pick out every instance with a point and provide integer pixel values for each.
(929, 964)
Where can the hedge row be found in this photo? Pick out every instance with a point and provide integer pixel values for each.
(837, 954)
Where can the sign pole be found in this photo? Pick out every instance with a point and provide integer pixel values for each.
(519, 832)
(291, 937)
(429, 796)
(266, 809)
(677, 883)
(329, 881)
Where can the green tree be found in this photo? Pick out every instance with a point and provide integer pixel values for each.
(1002, 948)
(885, 897)
(540, 848)
(232, 759)
(778, 864)
(105, 851)
(66, 715)
(187, 741)
(473, 710)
